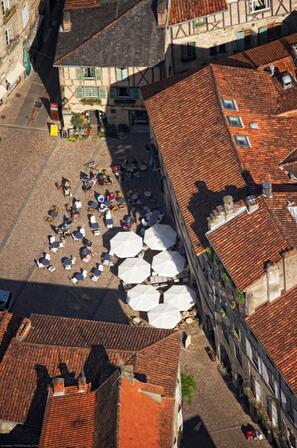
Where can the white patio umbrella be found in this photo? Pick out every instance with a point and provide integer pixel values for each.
(160, 237)
(168, 263)
(180, 296)
(134, 270)
(143, 297)
(126, 244)
(164, 316)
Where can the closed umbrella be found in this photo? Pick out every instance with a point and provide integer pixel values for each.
(134, 270)
(126, 244)
(164, 316)
(168, 263)
(143, 297)
(160, 237)
(180, 296)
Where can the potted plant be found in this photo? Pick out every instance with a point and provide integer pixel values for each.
(235, 333)
(223, 312)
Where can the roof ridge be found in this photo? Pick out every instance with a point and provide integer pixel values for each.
(115, 20)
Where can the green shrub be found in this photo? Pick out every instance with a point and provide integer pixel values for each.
(188, 386)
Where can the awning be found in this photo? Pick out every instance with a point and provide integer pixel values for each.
(3, 91)
(13, 76)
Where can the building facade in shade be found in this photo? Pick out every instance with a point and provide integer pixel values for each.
(18, 20)
(199, 32)
(229, 179)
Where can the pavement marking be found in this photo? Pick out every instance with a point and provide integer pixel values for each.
(25, 202)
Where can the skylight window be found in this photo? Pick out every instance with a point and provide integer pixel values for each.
(229, 104)
(235, 121)
(242, 140)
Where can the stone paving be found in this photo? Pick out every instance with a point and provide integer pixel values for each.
(215, 412)
(27, 193)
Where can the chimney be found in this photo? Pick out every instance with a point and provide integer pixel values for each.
(128, 373)
(251, 204)
(58, 386)
(162, 13)
(82, 382)
(66, 22)
(228, 206)
(24, 329)
(267, 189)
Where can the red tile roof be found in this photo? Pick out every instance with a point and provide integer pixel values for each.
(54, 330)
(69, 420)
(198, 141)
(274, 324)
(26, 370)
(201, 142)
(38, 354)
(134, 402)
(184, 10)
(114, 415)
(244, 243)
(9, 325)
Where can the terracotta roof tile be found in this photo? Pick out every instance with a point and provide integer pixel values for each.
(39, 352)
(26, 370)
(9, 325)
(54, 330)
(245, 242)
(69, 420)
(201, 141)
(134, 401)
(270, 324)
(184, 10)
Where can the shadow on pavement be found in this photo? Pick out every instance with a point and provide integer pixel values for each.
(92, 303)
(195, 434)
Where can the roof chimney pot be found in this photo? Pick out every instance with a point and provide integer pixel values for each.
(58, 386)
(267, 189)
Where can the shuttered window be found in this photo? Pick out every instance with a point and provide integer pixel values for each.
(90, 92)
(262, 35)
(121, 73)
(79, 73)
(248, 348)
(240, 41)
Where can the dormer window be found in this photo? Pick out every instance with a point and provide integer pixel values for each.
(229, 104)
(235, 121)
(242, 141)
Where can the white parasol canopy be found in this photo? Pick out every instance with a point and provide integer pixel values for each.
(134, 270)
(126, 244)
(160, 237)
(164, 316)
(180, 296)
(168, 263)
(143, 297)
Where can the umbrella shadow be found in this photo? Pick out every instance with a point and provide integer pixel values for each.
(108, 235)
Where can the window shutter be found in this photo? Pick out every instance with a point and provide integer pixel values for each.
(113, 92)
(98, 73)
(79, 73)
(240, 41)
(262, 32)
(79, 92)
(276, 388)
(134, 93)
(283, 400)
(124, 73)
(118, 73)
(248, 349)
(102, 92)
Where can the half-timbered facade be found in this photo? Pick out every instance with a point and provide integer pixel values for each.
(102, 68)
(200, 34)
